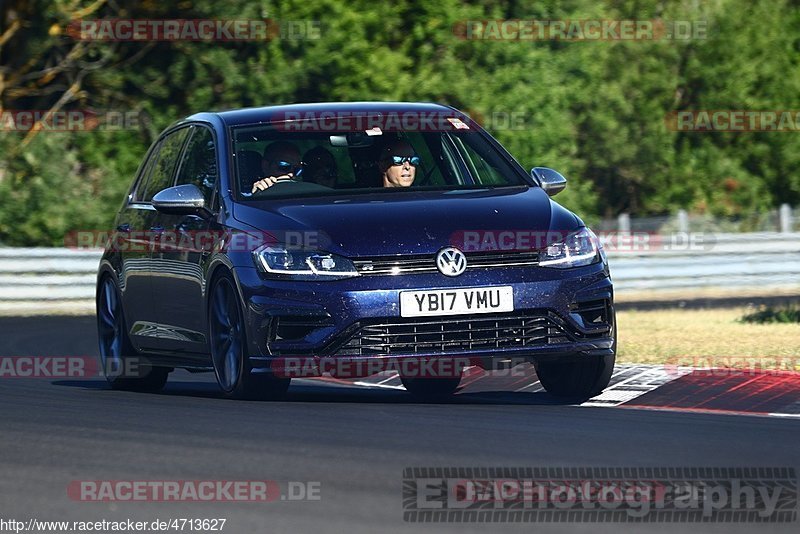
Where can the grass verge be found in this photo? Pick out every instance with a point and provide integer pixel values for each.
(677, 336)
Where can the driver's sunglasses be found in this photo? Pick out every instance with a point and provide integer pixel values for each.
(399, 160)
(287, 166)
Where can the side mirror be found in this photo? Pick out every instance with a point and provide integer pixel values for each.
(551, 181)
(181, 200)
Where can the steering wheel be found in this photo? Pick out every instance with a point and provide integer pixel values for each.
(277, 182)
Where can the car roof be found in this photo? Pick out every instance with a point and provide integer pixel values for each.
(279, 113)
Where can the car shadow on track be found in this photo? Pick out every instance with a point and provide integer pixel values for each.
(312, 391)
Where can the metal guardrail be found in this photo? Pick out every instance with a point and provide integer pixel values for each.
(746, 261)
(47, 274)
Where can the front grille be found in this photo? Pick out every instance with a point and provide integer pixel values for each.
(393, 265)
(401, 264)
(469, 333)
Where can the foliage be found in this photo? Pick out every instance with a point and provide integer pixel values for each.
(773, 314)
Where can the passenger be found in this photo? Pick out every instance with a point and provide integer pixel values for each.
(319, 167)
(280, 162)
(398, 164)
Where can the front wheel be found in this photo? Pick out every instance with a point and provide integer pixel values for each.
(579, 380)
(228, 346)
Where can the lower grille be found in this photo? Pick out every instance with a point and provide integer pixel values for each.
(593, 316)
(470, 333)
(291, 327)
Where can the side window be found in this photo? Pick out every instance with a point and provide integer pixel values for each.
(199, 163)
(164, 168)
(144, 175)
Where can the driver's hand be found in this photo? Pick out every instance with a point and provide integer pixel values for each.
(265, 183)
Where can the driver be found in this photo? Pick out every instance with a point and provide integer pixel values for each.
(398, 164)
(280, 162)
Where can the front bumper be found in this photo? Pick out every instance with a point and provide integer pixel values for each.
(558, 314)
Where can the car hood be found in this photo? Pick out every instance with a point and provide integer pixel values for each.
(389, 223)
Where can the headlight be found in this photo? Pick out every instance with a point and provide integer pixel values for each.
(579, 249)
(302, 264)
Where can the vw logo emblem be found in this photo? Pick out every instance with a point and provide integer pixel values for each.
(451, 262)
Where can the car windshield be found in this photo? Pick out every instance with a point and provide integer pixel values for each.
(314, 163)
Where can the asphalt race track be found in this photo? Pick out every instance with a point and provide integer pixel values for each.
(353, 439)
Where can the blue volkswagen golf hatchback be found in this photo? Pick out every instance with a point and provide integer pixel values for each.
(351, 238)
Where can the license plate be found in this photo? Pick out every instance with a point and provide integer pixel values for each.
(456, 301)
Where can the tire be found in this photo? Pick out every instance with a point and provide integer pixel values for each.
(117, 354)
(431, 388)
(228, 347)
(579, 380)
